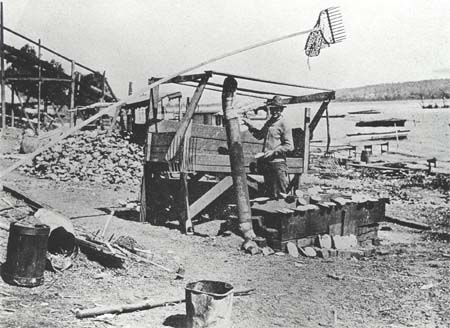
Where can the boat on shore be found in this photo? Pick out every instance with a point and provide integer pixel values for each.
(362, 112)
(386, 135)
(386, 122)
(334, 116)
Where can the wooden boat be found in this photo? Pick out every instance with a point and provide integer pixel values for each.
(387, 135)
(368, 111)
(386, 122)
(334, 116)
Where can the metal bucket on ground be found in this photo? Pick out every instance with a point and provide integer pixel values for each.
(25, 257)
(208, 304)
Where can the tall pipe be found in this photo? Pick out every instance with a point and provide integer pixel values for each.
(237, 158)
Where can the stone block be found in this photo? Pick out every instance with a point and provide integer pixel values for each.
(349, 253)
(308, 252)
(304, 242)
(292, 249)
(345, 242)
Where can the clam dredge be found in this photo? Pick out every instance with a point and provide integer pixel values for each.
(184, 174)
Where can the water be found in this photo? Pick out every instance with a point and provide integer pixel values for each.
(429, 128)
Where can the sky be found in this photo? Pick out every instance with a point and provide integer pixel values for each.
(133, 40)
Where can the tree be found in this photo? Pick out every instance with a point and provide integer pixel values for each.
(26, 64)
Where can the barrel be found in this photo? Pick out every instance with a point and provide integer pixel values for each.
(208, 304)
(25, 255)
(365, 156)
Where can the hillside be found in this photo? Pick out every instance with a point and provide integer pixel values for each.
(428, 89)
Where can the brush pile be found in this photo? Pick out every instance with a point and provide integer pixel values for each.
(90, 156)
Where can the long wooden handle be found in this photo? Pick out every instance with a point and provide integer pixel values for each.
(143, 305)
(228, 54)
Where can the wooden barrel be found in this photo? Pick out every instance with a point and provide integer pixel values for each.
(25, 257)
(365, 156)
(208, 304)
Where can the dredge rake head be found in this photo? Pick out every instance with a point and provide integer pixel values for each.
(329, 29)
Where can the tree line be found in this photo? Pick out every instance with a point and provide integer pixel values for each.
(426, 89)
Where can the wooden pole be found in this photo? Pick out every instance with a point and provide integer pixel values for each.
(45, 48)
(179, 134)
(2, 65)
(103, 86)
(179, 109)
(72, 93)
(130, 88)
(306, 128)
(182, 139)
(12, 108)
(328, 132)
(237, 158)
(24, 112)
(39, 89)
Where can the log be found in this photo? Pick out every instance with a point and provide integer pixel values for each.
(408, 223)
(237, 158)
(98, 253)
(378, 167)
(19, 194)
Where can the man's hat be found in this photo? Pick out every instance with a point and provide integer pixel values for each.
(276, 101)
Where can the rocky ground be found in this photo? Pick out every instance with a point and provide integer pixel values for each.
(405, 284)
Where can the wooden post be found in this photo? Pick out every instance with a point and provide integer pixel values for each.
(13, 116)
(328, 132)
(305, 145)
(237, 158)
(183, 198)
(2, 64)
(72, 94)
(39, 89)
(179, 109)
(24, 112)
(130, 88)
(103, 87)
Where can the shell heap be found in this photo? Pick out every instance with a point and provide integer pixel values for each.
(92, 157)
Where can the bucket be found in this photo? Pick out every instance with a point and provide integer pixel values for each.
(25, 256)
(208, 304)
(365, 156)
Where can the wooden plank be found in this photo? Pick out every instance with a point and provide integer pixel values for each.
(29, 200)
(202, 131)
(184, 78)
(210, 196)
(408, 223)
(270, 82)
(201, 162)
(324, 96)
(317, 117)
(186, 120)
(30, 157)
(43, 79)
(48, 49)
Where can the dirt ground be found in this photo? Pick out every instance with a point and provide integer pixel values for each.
(406, 284)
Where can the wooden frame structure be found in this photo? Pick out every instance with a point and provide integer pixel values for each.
(10, 53)
(201, 150)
